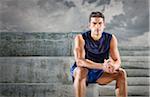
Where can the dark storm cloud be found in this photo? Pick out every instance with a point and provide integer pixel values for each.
(55, 4)
(12, 21)
(103, 2)
(99, 2)
(89, 1)
(28, 15)
(134, 21)
(69, 4)
(11, 3)
(124, 17)
(13, 15)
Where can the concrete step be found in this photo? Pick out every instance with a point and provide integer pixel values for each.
(35, 69)
(132, 81)
(135, 81)
(33, 47)
(128, 96)
(135, 58)
(134, 53)
(26, 36)
(110, 91)
(136, 65)
(137, 72)
(47, 44)
(129, 50)
(127, 61)
(45, 69)
(133, 47)
(31, 90)
(60, 90)
(132, 90)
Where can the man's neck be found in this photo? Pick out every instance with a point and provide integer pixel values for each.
(96, 37)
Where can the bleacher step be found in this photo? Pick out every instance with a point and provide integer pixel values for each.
(43, 69)
(60, 90)
(132, 81)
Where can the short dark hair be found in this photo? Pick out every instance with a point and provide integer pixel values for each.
(96, 14)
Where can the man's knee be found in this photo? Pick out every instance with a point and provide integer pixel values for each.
(81, 73)
(122, 74)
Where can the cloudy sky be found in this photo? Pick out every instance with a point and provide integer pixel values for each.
(127, 19)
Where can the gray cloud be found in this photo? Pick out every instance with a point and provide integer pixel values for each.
(125, 18)
(133, 22)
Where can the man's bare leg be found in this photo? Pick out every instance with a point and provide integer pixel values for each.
(121, 84)
(77, 87)
(80, 75)
(121, 81)
(83, 88)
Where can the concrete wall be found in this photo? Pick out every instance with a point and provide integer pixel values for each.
(49, 44)
(38, 65)
(35, 44)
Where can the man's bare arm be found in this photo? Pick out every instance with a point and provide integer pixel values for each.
(114, 53)
(79, 53)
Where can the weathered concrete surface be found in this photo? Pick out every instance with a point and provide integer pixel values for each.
(50, 44)
(46, 69)
(134, 53)
(33, 76)
(59, 90)
(34, 44)
(35, 69)
(33, 90)
(38, 76)
(136, 65)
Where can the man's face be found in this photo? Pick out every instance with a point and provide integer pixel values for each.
(96, 25)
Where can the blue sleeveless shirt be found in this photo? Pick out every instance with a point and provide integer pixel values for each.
(95, 51)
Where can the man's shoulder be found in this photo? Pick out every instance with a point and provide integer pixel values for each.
(107, 33)
(82, 35)
(85, 32)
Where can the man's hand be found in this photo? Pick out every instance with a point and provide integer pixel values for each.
(108, 66)
(81, 62)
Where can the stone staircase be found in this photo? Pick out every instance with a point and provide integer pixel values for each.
(38, 65)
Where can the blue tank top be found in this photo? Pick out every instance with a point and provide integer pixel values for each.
(97, 50)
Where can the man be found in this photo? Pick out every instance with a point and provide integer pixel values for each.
(92, 62)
